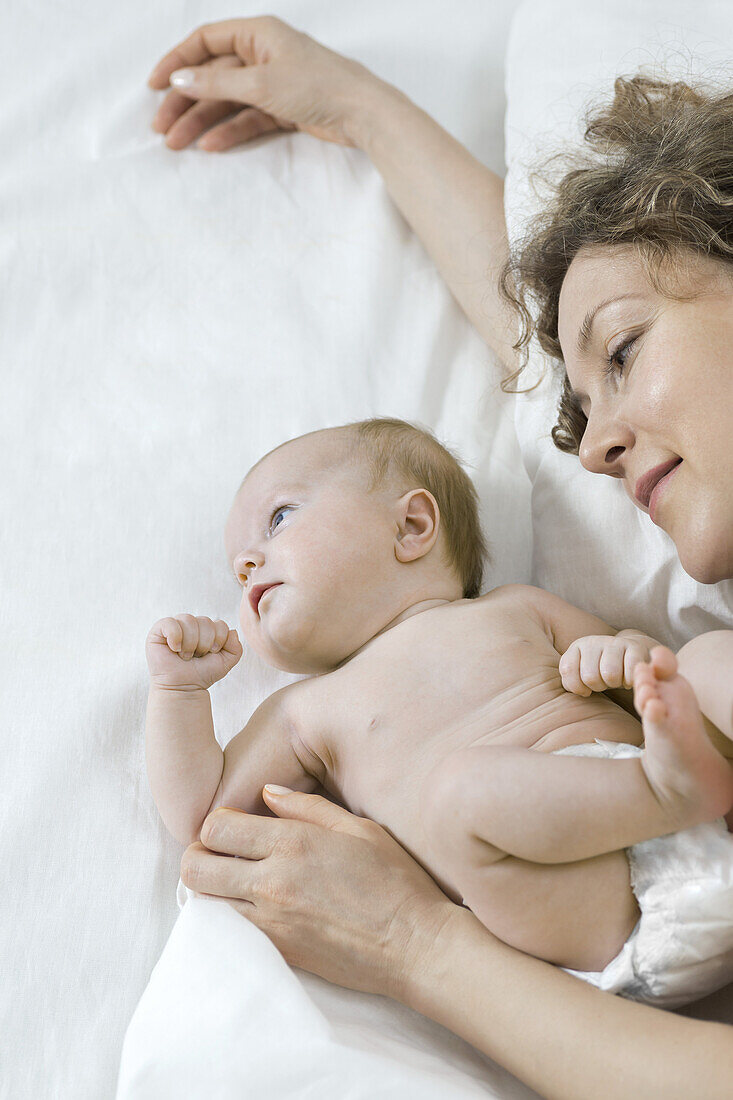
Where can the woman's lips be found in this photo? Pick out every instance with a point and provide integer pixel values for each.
(646, 484)
(659, 489)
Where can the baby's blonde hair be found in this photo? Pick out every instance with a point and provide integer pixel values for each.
(411, 456)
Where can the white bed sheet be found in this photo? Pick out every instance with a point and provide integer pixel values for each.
(166, 318)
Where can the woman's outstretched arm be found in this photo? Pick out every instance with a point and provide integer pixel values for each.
(561, 1036)
(339, 897)
(285, 80)
(454, 204)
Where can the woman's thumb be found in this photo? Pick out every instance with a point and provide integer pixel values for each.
(234, 82)
(304, 807)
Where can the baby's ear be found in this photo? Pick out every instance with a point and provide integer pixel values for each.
(418, 521)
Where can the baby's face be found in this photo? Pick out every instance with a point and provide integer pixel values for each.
(304, 522)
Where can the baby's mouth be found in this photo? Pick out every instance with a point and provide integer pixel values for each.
(258, 592)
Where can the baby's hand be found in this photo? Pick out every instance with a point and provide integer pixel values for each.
(191, 651)
(603, 661)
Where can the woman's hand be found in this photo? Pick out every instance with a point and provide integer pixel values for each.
(335, 893)
(286, 80)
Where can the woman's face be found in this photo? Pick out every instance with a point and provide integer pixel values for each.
(660, 415)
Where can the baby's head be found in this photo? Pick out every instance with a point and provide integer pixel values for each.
(353, 525)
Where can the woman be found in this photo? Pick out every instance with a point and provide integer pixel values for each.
(352, 906)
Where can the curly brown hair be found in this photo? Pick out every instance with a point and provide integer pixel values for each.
(663, 184)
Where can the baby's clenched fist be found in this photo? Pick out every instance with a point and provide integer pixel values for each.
(602, 661)
(191, 651)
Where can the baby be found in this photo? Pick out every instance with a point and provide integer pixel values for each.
(464, 724)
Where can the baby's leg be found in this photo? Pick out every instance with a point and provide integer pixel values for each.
(680, 762)
(706, 664)
(557, 809)
(577, 915)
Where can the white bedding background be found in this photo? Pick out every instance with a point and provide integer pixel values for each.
(165, 319)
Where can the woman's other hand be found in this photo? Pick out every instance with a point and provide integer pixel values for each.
(258, 75)
(335, 893)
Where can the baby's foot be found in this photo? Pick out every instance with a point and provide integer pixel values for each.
(687, 774)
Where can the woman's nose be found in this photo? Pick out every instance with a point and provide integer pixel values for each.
(246, 562)
(605, 445)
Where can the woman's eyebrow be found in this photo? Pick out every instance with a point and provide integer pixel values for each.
(586, 329)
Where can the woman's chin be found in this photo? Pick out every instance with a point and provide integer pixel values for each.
(707, 566)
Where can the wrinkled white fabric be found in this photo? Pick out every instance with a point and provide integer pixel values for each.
(682, 946)
(166, 318)
(224, 1016)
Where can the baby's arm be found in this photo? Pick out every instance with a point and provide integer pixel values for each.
(184, 761)
(574, 808)
(185, 656)
(187, 769)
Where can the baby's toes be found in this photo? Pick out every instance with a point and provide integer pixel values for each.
(663, 662)
(653, 710)
(644, 694)
(643, 674)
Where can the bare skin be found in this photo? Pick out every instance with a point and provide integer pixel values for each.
(680, 762)
(669, 395)
(334, 892)
(361, 596)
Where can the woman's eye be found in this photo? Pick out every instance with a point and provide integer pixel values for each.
(616, 361)
(277, 516)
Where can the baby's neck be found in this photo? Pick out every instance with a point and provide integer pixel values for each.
(421, 605)
(415, 609)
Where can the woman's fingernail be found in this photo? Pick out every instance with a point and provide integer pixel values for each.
(273, 788)
(182, 78)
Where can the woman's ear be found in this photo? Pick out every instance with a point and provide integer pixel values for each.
(418, 521)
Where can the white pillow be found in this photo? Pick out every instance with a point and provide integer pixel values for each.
(591, 545)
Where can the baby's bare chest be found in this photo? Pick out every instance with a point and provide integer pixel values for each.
(427, 689)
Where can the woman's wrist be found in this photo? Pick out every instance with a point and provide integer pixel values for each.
(418, 953)
(373, 103)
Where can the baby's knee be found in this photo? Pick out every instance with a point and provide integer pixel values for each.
(443, 803)
(440, 806)
(705, 647)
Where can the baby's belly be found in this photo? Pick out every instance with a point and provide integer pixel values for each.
(379, 772)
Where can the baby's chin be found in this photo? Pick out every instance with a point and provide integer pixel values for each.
(302, 652)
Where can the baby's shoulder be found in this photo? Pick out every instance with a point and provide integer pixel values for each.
(519, 598)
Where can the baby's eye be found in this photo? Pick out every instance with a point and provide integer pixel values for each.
(277, 516)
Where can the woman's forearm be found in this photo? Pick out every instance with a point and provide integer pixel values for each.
(559, 1035)
(184, 762)
(454, 204)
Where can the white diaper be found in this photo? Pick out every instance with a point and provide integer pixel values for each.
(682, 945)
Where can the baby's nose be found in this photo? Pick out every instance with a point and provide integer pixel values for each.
(246, 562)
